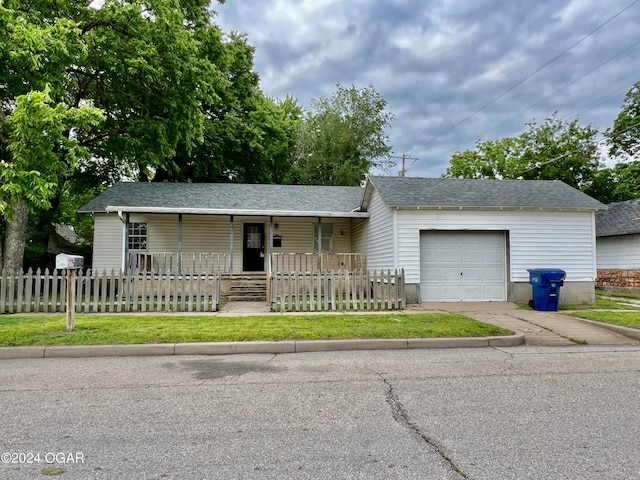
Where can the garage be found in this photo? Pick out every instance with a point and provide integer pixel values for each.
(462, 266)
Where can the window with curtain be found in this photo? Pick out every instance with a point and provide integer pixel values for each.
(327, 237)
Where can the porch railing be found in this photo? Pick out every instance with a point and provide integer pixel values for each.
(45, 291)
(312, 262)
(182, 263)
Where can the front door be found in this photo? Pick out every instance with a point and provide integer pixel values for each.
(253, 247)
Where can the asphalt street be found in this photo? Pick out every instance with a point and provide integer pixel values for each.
(487, 413)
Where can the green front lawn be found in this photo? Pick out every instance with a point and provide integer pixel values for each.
(17, 330)
(623, 319)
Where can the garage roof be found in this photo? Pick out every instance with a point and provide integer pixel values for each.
(478, 193)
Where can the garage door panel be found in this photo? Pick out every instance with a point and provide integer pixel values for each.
(493, 255)
(448, 275)
(474, 275)
(494, 274)
(462, 266)
(448, 254)
(472, 293)
(449, 293)
(494, 294)
(471, 256)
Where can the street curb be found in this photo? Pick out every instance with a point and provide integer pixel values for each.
(234, 348)
(21, 352)
(343, 345)
(76, 351)
(626, 331)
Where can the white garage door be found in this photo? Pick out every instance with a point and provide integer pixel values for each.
(462, 266)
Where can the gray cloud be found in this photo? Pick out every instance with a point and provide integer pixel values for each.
(436, 62)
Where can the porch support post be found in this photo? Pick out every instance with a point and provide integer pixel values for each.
(270, 262)
(231, 245)
(320, 242)
(126, 243)
(270, 266)
(179, 259)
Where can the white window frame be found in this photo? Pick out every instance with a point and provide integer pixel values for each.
(327, 237)
(138, 236)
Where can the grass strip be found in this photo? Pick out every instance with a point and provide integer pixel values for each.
(17, 330)
(623, 319)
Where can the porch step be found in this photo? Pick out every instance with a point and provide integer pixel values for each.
(249, 289)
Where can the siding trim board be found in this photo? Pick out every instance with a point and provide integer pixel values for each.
(227, 212)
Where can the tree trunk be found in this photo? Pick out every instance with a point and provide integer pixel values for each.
(15, 235)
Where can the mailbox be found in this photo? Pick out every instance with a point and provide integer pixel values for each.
(64, 261)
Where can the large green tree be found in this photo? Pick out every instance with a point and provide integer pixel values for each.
(552, 150)
(624, 136)
(38, 144)
(248, 137)
(141, 63)
(342, 138)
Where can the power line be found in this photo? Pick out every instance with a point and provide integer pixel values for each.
(468, 117)
(560, 89)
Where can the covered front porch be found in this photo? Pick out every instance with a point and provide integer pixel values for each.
(238, 245)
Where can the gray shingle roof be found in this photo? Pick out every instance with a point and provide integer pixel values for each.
(621, 218)
(227, 196)
(453, 192)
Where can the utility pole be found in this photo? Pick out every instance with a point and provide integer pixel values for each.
(404, 158)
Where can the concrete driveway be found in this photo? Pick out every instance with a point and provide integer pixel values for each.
(539, 328)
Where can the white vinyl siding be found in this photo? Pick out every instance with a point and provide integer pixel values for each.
(619, 252)
(359, 231)
(380, 237)
(108, 238)
(537, 239)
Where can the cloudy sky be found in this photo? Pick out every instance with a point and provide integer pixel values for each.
(441, 63)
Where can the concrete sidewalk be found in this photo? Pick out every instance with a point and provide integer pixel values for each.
(540, 328)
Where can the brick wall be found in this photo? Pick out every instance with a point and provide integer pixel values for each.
(618, 278)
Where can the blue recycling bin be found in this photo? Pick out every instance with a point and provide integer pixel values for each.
(545, 284)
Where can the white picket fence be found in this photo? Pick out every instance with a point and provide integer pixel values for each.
(110, 292)
(337, 290)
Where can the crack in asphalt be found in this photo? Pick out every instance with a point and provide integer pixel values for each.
(400, 415)
(508, 361)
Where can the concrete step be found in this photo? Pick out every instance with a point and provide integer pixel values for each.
(247, 298)
(248, 289)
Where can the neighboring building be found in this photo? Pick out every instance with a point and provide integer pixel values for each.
(457, 240)
(618, 244)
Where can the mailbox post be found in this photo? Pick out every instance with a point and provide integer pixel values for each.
(70, 263)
